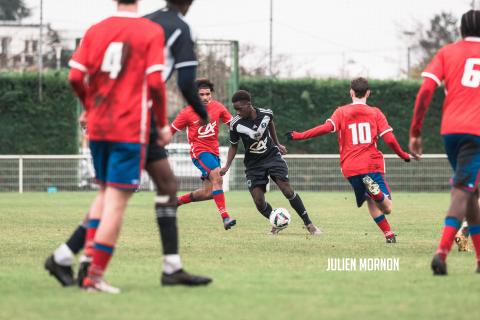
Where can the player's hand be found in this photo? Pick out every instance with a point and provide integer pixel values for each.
(224, 170)
(164, 136)
(289, 135)
(82, 120)
(415, 146)
(283, 150)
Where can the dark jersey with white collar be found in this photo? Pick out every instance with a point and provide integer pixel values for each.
(259, 146)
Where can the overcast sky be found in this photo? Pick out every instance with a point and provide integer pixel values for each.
(320, 37)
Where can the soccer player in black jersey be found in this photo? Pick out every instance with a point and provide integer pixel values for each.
(263, 157)
(179, 56)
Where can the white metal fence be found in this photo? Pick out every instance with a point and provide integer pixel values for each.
(52, 173)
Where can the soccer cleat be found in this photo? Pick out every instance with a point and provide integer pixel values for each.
(274, 231)
(181, 277)
(462, 242)
(372, 187)
(313, 229)
(439, 267)
(228, 223)
(101, 285)
(85, 262)
(391, 239)
(64, 274)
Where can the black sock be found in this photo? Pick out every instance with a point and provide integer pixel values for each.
(167, 225)
(77, 239)
(267, 210)
(297, 204)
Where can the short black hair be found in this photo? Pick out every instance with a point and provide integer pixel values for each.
(470, 25)
(204, 83)
(127, 1)
(360, 87)
(181, 2)
(241, 95)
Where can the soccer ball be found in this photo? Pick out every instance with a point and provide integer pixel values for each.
(280, 218)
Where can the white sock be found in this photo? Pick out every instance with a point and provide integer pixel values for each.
(171, 263)
(63, 256)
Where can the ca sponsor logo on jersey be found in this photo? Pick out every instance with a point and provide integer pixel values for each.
(207, 130)
(259, 146)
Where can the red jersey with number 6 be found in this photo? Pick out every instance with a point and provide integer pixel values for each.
(202, 138)
(358, 127)
(458, 65)
(117, 64)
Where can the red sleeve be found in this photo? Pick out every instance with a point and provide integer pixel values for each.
(382, 123)
(155, 58)
(320, 130)
(77, 80)
(180, 121)
(392, 142)
(435, 69)
(225, 116)
(422, 102)
(79, 58)
(159, 98)
(336, 120)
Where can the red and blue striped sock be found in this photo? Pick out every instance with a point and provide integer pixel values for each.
(450, 229)
(101, 257)
(219, 198)
(475, 235)
(383, 224)
(186, 198)
(92, 226)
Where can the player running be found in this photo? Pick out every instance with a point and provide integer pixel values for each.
(458, 65)
(263, 157)
(359, 126)
(204, 149)
(122, 56)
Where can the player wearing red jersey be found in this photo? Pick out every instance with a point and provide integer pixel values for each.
(458, 66)
(204, 149)
(122, 56)
(359, 127)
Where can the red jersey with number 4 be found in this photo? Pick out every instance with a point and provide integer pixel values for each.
(202, 138)
(117, 54)
(458, 65)
(358, 127)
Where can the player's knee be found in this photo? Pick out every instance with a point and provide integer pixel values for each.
(215, 177)
(387, 208)
(260, 204)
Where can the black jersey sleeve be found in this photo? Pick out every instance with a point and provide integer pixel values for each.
(183, 49)
(234, 136)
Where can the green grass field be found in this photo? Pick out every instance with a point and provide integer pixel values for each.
(255, 276)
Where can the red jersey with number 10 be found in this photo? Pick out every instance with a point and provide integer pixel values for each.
(117, 54)
(358, 127)
(458, 65)
(202, 138)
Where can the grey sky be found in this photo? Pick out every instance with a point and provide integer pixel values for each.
(320, 37)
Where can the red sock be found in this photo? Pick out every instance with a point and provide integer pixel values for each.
(186, 198)
(475, 235)
(450, 229)
(101, 256)
(92, 226)
(379, 197)
(219, 198)
(383, 224)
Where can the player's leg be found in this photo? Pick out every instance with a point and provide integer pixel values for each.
(201, 194)
(381, 221)
(165, 181)
(278, 170)
(473, 218)
(461, 238)
(463, 153)
(378, 190)
(121, 164)
(59, 264)
(258, 195)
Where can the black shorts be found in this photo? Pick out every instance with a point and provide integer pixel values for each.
(258, 175)
(154, 151)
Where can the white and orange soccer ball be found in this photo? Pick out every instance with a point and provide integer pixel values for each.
(280, 218)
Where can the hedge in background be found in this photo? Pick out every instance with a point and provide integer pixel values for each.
(303, 104)
(28, 126)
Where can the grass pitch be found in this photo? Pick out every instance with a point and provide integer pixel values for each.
(255, 276)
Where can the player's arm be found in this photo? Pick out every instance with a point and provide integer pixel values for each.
(273, 134)
(180, 122)
(392, 142)
(422, 102)
(320, 130)
(186, 83)
(232, 151)
(77, 81)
